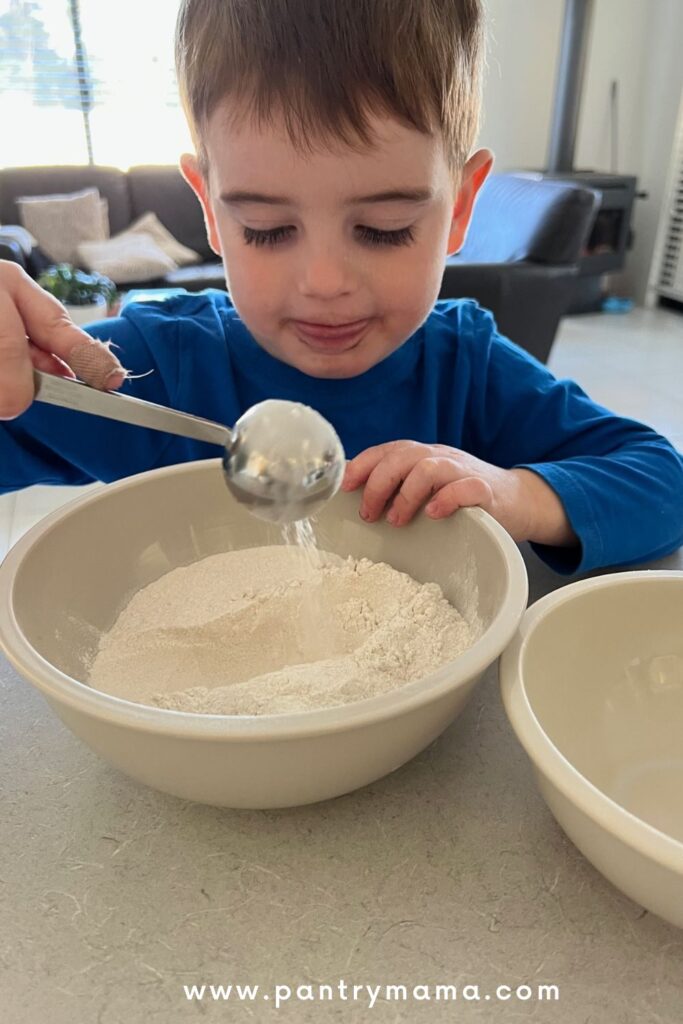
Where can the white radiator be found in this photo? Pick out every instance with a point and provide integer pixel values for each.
(667, 268)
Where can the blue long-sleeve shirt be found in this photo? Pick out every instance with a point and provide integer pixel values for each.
(456, 381)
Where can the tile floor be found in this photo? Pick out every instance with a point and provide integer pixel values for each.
(632, 363)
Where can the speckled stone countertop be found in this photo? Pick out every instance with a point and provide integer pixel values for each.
(449, 871)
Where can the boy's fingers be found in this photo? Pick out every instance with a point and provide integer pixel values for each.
(427, 477)
(386, 478)
(473, 490)
(358, 470)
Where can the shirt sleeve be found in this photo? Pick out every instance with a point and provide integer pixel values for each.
(620, 482)
(51, 445)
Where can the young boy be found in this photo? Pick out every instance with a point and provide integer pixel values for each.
(333, 168)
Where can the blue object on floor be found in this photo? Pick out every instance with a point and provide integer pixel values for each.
(613, 304)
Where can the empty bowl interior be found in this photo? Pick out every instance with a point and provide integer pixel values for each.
(71, 581)
(603, 674)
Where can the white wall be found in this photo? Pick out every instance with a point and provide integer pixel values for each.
(636, 42)
(523, 40)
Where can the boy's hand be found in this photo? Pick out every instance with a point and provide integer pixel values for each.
(401, 476)
(36, 332)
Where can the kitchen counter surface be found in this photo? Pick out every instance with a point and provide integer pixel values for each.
(449, 871)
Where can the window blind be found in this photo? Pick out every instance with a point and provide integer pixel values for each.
(81, 81)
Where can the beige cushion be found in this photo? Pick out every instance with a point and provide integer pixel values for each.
(61, 222)
(150, 224)
(130, 256)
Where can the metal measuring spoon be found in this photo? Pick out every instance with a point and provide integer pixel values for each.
(282, 460)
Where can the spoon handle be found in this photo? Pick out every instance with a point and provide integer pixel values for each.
(74, 394)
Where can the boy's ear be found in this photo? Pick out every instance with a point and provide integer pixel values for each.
(189, 168)
(473, 176)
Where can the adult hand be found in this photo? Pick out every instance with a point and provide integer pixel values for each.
(37, 333)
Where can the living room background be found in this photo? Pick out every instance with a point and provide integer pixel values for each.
(134, 114)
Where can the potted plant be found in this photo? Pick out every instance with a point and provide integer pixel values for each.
(87, 297)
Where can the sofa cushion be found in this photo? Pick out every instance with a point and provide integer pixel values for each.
(164, 191)
(130, 256)
(111, 183)
(521, 217)
(150, 224)
(60, 222)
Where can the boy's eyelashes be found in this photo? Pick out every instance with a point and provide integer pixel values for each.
(269, 236)
(371, 236)
(375, 236)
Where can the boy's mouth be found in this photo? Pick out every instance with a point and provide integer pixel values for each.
(330, 337)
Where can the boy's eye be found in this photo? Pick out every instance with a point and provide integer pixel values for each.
(373, 236)
(270, 236)
(400, 236)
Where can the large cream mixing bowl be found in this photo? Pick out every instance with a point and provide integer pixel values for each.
(67, 579)
(593, 687)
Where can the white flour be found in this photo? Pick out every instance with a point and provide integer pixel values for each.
(259, 631)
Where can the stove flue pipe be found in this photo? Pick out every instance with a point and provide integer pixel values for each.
(568, 86)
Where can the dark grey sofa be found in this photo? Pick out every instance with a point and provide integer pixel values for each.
(159, 189)
(519, 258)
(520, 255)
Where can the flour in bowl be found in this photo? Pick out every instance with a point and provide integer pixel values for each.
(261, 631)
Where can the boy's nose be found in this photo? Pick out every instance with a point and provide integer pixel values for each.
(325, 274)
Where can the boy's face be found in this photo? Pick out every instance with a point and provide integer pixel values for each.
(333, 259)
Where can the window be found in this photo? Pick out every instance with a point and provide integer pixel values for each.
(83, 81)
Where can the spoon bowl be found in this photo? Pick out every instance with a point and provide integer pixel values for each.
(282, 460)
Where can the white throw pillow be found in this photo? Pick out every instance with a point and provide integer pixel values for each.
(61, 222)
(150, 224)
(130, 256)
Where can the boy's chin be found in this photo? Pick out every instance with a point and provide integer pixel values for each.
(337, 366)
(340, 364)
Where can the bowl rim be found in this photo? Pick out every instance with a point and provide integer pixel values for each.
(547, 758)
(65, 690)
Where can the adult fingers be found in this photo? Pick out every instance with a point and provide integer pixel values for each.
(49, 363)
(16, 369)
(26, 309)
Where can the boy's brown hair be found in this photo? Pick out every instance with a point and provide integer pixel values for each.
(324, 65)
